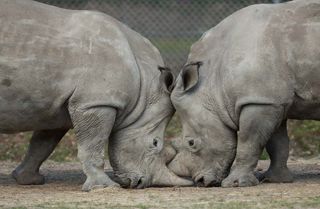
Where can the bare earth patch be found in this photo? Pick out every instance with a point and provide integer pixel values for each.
(64, 180)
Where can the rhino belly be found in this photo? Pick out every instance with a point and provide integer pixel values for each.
(302, 109)
(306, 102)
(33, 96)
(22, 110)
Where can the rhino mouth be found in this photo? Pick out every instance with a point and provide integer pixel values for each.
(130, 180)
(139, 183)
(213, 177)
(208, 179)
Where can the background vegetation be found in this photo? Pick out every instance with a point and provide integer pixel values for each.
(304, 135)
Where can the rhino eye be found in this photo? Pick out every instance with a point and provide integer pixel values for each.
(191, 142)
(155, 142)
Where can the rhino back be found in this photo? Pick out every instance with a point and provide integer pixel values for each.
(126, 60)
(301, 43)
(283, 64)
(256, 56)
(296, 36)
(48, 55)
(34, 78)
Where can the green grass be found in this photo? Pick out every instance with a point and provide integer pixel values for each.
(13, 147)
(88, 205)
(141, 206)
(19, 208)
(264, 155)
(13, 151)
(305, 136)
(173, 45)
(174, 127)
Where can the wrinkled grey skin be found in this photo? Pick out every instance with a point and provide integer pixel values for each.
(244, 78)
(62, 69)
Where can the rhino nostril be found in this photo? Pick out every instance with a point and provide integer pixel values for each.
(200, 182)
(191, 142)
(122, 180)
(214, 183)
(125, 182)
(139, 182)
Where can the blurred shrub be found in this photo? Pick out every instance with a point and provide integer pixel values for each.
(13, 147)
(305, 138)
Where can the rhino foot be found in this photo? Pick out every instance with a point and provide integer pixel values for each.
(277, 175)
(98, 183)
(28, 178)
(240, 180)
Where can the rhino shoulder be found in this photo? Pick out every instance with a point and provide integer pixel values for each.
(243, 25)
(107, 55)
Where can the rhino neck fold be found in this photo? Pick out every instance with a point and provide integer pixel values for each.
(146, 65)
(212, 90)
(138, 107)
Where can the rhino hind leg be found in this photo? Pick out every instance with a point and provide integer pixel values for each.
(92, 128)
(278, 150)
(41, 145)
(257, 124)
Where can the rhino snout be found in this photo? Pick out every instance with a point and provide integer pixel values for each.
(131, 180)
(207, 180)
(138, 182)
(169, 153)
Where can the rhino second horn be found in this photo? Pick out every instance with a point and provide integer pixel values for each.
(169, 153)
(166, 178)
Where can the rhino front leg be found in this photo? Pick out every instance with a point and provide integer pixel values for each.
(278, 150)
(92, 128)
(41, 146)
(257, 124)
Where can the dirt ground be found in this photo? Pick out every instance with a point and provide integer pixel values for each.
(64, 180)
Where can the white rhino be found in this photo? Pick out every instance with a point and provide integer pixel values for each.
(63, 69)
(243, 79)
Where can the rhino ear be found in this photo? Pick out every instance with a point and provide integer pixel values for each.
(190, 75)
(167, 79)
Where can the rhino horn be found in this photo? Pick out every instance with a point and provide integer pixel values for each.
(179, 168)
(168, 152)
(166, 178)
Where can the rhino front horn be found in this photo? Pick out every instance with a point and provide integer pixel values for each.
(166, 178)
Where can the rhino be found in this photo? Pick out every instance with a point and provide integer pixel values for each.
(84, 70)
(242, 81)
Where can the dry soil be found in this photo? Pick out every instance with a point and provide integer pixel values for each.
(64, 180)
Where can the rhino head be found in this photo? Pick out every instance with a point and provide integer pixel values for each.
(208, 147)
(138, 153)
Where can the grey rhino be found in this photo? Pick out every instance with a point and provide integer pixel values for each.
(243, 79)
(63, 69)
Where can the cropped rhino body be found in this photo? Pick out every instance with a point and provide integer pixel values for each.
(63, 69)
(244, 78)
